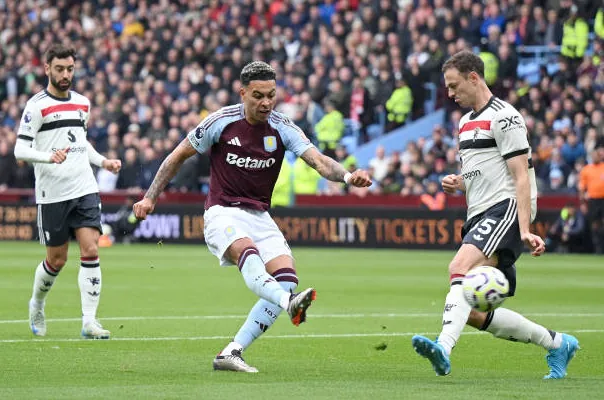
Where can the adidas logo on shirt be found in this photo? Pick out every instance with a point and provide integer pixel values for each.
(234, 141)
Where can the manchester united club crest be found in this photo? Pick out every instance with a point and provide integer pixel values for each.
(270, 143)
(476, 132)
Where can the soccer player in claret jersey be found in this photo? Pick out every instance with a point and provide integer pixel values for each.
(499, 181)
(52, 135)
(247, 143)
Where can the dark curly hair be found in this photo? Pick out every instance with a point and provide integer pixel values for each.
(59, 51)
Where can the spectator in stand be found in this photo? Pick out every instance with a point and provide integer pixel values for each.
(573, 149)
(493, 17)
(591, 191)
(347, 160)
(574, 38)
(553, 30)
(162, 66)
(8, 166)
(567, 234)
(379, 164)
(556, 183)
(433, 199)
(438, 144)
(128, 177)
(361, 107)
(399, 105)
(330, 129)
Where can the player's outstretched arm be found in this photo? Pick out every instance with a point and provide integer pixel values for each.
(518, 167)
(164, 175)
(330, 169)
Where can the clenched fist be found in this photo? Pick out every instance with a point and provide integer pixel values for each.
(112, 165)
(143, 208)
(360, 178)
(452, 183)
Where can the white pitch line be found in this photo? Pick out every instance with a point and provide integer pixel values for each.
(217, 317)
(308, 336)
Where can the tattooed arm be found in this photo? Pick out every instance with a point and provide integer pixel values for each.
(169, 168)
(327, 167)
(330, 169)
(164, 175)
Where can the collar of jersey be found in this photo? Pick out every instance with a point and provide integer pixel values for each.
(474, 115)
(58, 98)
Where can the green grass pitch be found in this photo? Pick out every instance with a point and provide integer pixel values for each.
(172, 308)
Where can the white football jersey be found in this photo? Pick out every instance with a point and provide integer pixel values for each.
(51, 124)
(487, 138)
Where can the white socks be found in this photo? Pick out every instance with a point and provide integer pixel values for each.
(509, 325)
(232, 346)
(89, 280)
(44, 278)
(455, 316)
(259, 281)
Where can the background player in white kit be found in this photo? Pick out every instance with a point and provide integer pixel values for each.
(52, 136)
(499, 181)
(247, 143)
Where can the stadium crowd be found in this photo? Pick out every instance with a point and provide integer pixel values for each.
(154, 69)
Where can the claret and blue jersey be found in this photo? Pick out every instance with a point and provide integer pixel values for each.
(245, 159)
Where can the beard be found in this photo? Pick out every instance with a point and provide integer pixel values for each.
(62, 85)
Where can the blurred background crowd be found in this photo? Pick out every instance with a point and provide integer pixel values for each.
(348, 71)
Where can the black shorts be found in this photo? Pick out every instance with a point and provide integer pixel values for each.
(57, 222)
(595, 210)
(496, 231)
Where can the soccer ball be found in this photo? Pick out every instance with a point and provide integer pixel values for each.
(485, 288)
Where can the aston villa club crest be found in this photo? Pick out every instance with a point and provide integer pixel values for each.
(270, 143)
(229, 231)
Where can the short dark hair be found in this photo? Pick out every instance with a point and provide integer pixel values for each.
(465, 62)
(59, 51)
(257, 71)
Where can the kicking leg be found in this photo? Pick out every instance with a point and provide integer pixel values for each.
(264, 314)
(260, 318)
(244, 253)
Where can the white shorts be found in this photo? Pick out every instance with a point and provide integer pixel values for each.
(224, 225)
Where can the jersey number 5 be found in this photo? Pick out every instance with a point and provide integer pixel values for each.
(484, 228)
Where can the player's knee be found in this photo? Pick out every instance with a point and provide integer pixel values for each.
(234, 251)
(456, 267)
(89, 250)
(57, 261)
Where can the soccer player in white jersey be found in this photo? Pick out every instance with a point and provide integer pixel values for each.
(52, 136)
(247, 144)
(499, 181)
